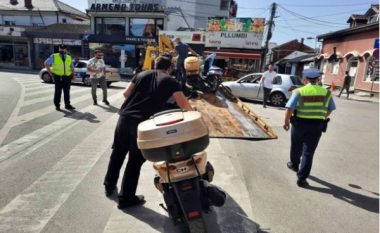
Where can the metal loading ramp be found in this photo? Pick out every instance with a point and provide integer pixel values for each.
(227, 117)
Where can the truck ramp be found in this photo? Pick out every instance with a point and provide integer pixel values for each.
(228, 117)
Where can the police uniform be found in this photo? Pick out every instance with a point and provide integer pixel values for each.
(61, 67)
(310, 105)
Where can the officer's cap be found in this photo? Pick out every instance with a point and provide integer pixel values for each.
(312, 73)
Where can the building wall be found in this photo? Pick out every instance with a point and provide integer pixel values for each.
(197, 12)
(33, 18)
(359, 42)
(287, 48)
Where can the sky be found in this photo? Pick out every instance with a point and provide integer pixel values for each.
(295, 19)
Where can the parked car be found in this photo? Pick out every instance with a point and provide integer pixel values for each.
(81, 74)
(248, 87)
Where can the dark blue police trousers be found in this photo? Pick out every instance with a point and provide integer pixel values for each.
(305, 135)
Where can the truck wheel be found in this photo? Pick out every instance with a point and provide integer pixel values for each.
(277, 99)
(46, 78)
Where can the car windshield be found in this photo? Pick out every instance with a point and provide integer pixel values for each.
(296, 80)
(81, 65)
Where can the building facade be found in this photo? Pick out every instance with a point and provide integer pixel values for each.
(123, 28)
(17, 49)
(354, 50)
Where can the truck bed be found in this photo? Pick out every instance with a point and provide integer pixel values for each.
(228, 117)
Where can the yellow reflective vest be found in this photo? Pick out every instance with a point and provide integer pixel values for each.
(61, 68)
(313, 102)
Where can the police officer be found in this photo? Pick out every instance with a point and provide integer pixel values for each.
(307, 110)
(61, 68)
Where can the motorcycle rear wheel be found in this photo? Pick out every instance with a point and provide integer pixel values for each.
(197, 226)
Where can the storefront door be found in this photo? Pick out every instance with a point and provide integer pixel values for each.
(352, 67)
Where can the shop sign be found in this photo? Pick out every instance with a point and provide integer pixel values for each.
(56, 41)
(126, 5)
(236, 24)
(376, 44)
(196, 37)
(130, 39)
(246, 40)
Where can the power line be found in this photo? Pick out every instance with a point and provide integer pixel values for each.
(315, 21)
(338, 13)
(330, 5)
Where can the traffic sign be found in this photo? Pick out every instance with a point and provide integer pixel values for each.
(376, 44)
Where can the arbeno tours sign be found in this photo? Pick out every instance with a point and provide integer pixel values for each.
(126, 5)
(246, 40)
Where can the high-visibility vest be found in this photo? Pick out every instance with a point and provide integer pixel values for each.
(61, 68)
(313, 102)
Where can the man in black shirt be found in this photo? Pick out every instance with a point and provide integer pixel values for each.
(346, 85)
(145, 96)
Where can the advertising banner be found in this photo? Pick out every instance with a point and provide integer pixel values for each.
(246, 40)
(236, 24)
(187, 37)
(127, 5)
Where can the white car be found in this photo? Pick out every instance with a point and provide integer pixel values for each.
(248, 87)
(81, 74)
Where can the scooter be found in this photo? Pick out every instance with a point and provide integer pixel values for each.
(175, 141)
(205, 78)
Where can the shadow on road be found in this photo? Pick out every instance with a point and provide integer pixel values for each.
(368, 203)
(228, 218)
(80, 116)
(109, 108)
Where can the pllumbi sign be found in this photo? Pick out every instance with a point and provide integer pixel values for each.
(246, 40)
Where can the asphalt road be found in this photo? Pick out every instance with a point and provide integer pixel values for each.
(52, 166)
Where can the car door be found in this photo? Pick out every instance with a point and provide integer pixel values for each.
(249, 86)
(80, 71)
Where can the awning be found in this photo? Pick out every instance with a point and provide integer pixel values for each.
(353, 53)
(255, 56)
(369, 52)
(323, 55)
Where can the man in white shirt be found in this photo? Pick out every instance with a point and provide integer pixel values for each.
(267, 83)
(97, 70)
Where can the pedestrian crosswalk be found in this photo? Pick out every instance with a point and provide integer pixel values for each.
(42, 205)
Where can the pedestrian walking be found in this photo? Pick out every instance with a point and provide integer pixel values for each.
(182, 50)
(267, 83)
(97, 70)
(61, 68)
(307, 110)
(346, 85)
(145, 96)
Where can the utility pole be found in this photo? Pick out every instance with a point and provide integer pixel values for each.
(268, 35)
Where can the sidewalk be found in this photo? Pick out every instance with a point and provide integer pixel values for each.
(358, 96)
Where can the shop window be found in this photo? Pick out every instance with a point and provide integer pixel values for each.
(145, 27)
(9, 23)
(110, 26)
(277, 80)
(224, 4)
(372, 69)
(6, 54)
(334, 67)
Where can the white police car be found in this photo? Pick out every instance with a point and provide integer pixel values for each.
(81, 74)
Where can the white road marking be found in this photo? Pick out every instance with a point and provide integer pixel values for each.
(31, 210)
(24, 145)
(39, 92)
(50, 98)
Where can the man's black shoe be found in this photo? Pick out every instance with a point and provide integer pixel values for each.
(106, 102)
(57, 108)
(69, 107)
(302, 183)
(136, 200)
(95, 102)
(110, 190)
(292, 167)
